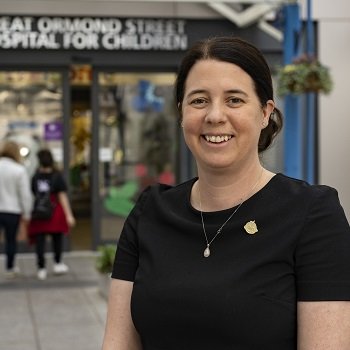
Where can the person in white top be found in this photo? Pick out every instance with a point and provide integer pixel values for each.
(15, 200)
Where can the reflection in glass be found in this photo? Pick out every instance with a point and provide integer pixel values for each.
(80, 162)
(31, 112)
(137, 139)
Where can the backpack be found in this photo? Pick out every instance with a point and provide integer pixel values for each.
(43, 207)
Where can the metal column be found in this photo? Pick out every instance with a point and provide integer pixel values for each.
(293, 129)
(310, 154)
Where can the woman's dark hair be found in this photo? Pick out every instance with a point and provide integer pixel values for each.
(245, 55)
(45, 158)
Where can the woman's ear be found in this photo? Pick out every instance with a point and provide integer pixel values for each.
(267, 112)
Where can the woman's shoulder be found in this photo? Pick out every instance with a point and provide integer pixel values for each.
(302, 204)
(166, 190)
(57, 173)
(164, 194)
(303, 196)
(9, 164)
(291, 186)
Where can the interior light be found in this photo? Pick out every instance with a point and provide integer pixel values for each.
(24, 151)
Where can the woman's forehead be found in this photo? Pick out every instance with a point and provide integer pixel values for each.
(212, 74)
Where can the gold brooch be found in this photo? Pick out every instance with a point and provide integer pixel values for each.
(251, 227)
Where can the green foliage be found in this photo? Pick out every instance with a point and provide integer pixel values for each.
(105, 258)
(305, 74)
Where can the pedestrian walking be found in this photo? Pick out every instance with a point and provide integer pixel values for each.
(15, 201)
(49, 181)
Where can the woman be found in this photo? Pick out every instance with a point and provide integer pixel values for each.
(49, 179)
(15, 201)
(238, 258)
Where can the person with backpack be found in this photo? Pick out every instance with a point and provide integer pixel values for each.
(15, 201)
(52, 215)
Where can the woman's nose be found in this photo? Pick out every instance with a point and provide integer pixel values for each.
(215, 113)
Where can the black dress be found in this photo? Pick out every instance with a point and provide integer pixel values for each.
(244, 296)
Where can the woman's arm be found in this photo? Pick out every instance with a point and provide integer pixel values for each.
(22, 232)
(63, 199)
(25, 194)
(324, 325)
(120, 333)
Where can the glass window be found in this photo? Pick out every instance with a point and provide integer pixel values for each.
(31, 113)
(80, 167)
(137, 141)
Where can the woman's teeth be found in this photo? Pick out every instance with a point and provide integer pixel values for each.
(217, 139)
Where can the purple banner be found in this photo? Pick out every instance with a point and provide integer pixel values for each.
(53, 131)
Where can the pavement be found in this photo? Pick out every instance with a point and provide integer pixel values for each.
(65, 312)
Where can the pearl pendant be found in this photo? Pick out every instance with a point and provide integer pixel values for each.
(206, 252)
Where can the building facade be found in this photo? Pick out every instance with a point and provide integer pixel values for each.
(98, 91)
(94, 84)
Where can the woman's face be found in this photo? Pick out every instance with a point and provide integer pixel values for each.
(222, 115)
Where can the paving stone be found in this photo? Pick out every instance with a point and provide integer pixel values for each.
(63, 312)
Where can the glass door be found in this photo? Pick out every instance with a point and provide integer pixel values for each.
(32, 115)
(80, 155)
(137, 142)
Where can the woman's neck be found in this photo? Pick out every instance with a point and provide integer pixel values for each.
(45, 169)
(213, 192)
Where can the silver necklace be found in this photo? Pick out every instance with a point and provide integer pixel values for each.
(206, 252)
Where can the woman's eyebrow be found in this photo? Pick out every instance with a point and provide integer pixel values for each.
(196, 91)
(236, 91)
(230, 91)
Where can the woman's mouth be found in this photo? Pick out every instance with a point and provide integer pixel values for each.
(217, 138)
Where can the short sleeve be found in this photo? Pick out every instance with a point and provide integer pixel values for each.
(55, 181)
(127, 254)
(58, 183)
(322, 255)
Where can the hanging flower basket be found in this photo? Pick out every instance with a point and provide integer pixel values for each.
(305, 74)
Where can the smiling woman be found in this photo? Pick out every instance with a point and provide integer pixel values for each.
(220, 107)
(238, 257)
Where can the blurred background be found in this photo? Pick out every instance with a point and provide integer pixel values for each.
(92, 80)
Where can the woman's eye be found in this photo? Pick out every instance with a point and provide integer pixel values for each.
(198, 101)
(235, 100)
